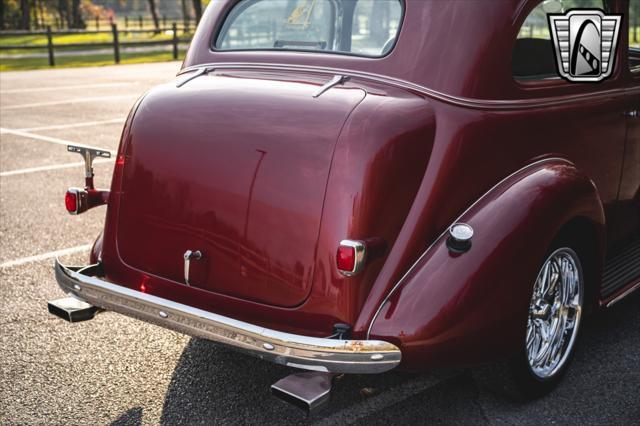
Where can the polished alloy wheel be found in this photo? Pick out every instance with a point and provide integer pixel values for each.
(554, 313)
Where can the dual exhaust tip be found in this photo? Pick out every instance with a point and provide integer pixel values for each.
(308, 390)
(72, 310)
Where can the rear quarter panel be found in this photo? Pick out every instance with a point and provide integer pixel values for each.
(476, 147)
(453, 309)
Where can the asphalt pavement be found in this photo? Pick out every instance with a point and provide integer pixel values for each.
(116, 370)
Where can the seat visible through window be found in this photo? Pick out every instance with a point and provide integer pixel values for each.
(533, 57)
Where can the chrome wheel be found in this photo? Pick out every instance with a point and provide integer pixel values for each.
(554, 313)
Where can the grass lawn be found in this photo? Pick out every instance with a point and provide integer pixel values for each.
(60, 41)
(86, 60)
(41, 39)
(90, 59)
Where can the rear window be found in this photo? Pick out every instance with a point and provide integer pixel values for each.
(356, 27)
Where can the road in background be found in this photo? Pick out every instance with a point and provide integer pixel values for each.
(118, 370)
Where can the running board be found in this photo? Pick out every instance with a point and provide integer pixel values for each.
(621, 269)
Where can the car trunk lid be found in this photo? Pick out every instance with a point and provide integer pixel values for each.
(236, 167)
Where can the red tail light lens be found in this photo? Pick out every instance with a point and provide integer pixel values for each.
(71, 201)
(76, 200)
(350, 258)
(346, 258)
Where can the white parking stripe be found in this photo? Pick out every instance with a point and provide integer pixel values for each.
(78, 86)
(72, 125)
(44, 138)
(45, 256)
(72, 101)
(53, 167)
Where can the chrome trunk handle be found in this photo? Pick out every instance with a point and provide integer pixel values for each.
(188, 255)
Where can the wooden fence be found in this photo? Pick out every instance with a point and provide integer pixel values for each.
(97, 23)
(115, 43)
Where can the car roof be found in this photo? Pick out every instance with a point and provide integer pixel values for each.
(460, 48)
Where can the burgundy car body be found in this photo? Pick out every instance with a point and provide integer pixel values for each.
(244, 164)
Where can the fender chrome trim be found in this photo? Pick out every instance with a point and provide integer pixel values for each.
(309, 353)
(458, 219)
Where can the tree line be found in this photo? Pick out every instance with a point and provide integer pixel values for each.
(27, 14)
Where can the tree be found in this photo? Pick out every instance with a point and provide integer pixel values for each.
(185, 14)
(1, 14)
(76, 16)
(63, 11)
(197, 7)
(40, 7)
(154, 14)
(25, 8)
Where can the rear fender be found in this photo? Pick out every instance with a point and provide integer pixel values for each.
(462, 309)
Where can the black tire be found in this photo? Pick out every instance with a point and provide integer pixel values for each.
(515, 378)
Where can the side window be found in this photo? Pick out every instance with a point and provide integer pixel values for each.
(533, 55)
(634, 36)
(375, 25)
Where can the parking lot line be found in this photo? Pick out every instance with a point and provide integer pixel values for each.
(45, 256)
(72, 125)
(44, 138)
(77, 86)
(52, 167)
(72, 101)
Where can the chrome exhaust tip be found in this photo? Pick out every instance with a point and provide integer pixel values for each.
(72, 309)
(308, 390)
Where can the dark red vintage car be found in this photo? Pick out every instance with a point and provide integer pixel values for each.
(354, 186)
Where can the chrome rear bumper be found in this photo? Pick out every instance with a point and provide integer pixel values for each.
(310, 353)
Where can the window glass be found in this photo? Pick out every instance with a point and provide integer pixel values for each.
(634, 35)
(375, 25)
(533, 54)
(359, 27)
